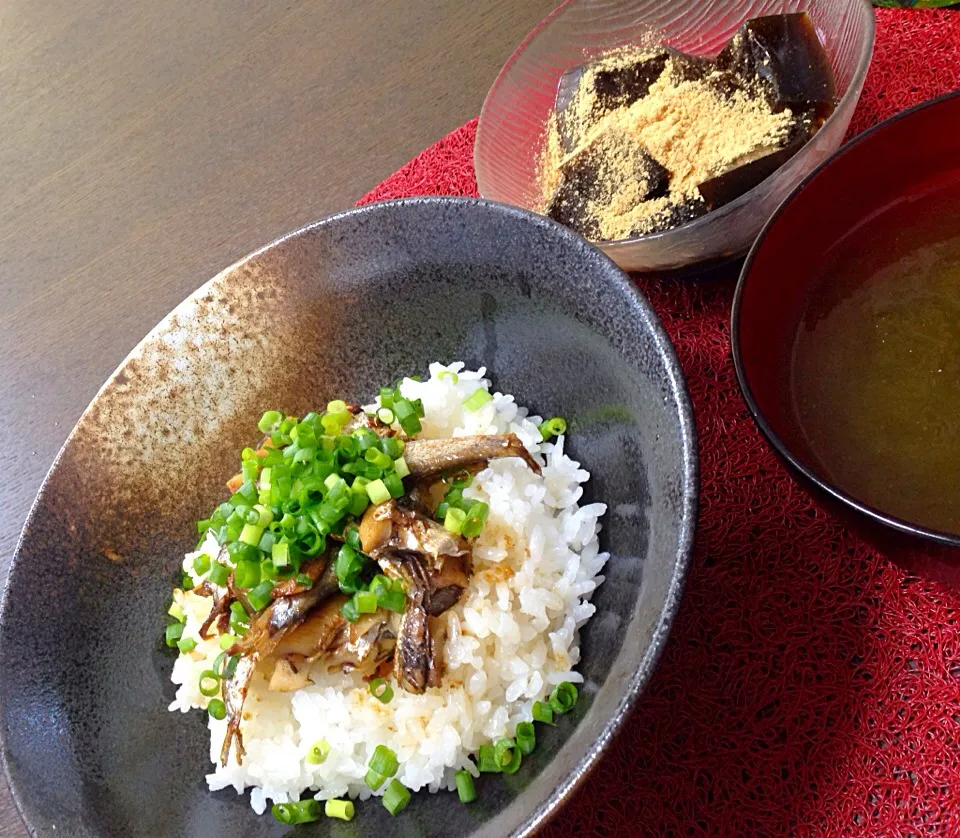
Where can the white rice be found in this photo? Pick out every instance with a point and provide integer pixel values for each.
(510, 640)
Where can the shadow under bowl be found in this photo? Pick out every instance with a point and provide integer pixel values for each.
(912, 156)
(332, 311)
(510, 134)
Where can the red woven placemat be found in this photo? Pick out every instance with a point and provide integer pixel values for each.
(809, 686)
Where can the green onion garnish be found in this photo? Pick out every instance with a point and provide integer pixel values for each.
(366, 602)
(201, 564)
(349, 610)
(269, 421)
(303, 580)
(227, 640)
(342, 809)
(465, 788)
(318, 752)
(396, 797)
(487, 760)
(377, 491)
(448, 375)
(563, 697)
(209, 683)
(400, 467)
(508, 755)
(380, 689)
(260, 596)
(217, 709)
(247, 574)
(172, 634)
(542, 713)
(477, 399)
(526, 738)
(373, 779)
(393, 600)
(176, 611)
(385, 415)
(453, 520)
(280, 553)
(186, 644)
(384, 761)
(305, 811)
(219, 573)
(553, 427)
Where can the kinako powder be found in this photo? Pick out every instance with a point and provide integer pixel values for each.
(694, 128)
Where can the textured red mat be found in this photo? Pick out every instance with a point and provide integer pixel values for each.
(809, 686)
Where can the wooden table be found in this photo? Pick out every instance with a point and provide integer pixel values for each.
(148, 145)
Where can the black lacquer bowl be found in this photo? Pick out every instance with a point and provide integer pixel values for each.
(331, 311)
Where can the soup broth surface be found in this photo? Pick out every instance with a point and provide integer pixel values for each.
(875, 375)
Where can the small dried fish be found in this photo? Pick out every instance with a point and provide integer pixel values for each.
(432, 456)
(277, 620)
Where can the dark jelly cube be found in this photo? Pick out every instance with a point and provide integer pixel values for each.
(613, 87)
(743, 175)
(569, 208)
(686, 67)
(675, 215)
(784, 53)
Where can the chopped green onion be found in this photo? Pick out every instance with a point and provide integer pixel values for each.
(318, 752)
(396, 797)
(176, 611)
(250, 534)
(381, 690)
(219, 574)
(394, 485)
(226, 641)
(374, 780)
(448, 375)
(280, 553)
(349, 565)
(337, 406)
(526, 738)
(406, 414)
(508, 756)
(487, 760)
(209, 683)
(563, 697)
(172, 634)
(453, 520)
(342, 809)
(477, 399)
(269, 421)
(186, 644)
(303, 580)
(238, 612)
(201, 564)
(384, 761)
(377, 491)
(385, 415)
(217, 709)
(349, 611)
(247, 574)
(465, 788)
(393, 600)
(553, 427)
(289, 814)
(260, 596)
(401, 468)
(378, 458)
(366, 602)
(186, 581)
(542, 712)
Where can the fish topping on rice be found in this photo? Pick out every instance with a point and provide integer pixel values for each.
(388, 599)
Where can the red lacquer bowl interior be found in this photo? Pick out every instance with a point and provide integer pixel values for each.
(884, 170)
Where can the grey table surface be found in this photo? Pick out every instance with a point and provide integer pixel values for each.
(148, 145)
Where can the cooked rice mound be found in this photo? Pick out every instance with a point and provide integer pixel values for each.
(512, 637)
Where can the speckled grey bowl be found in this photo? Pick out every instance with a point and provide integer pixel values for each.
(332, 310)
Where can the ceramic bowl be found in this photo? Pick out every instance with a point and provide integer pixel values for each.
(331, 311)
